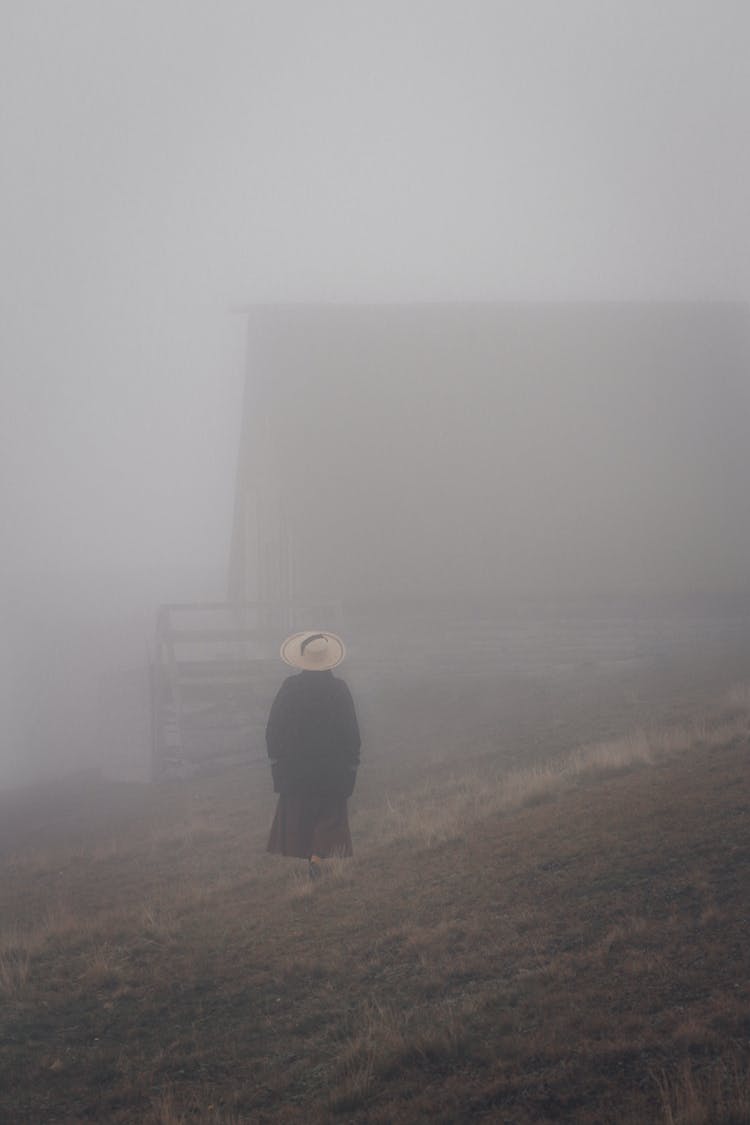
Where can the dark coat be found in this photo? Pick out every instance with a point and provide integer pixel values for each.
(313, 736)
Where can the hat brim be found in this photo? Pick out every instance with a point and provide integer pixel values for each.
(291, 652)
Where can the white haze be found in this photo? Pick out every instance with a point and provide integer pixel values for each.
(164, 162)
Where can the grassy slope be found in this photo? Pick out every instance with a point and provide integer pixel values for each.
(583, 957)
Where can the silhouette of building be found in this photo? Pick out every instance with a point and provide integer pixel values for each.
(394, 452)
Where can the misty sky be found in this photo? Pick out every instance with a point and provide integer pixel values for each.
(164, 161)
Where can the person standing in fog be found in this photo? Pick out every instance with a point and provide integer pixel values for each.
(313, 742)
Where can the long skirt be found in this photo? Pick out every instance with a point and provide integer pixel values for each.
(307, 824)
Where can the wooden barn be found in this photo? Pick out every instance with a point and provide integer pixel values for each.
(441, 451)
(402, 465)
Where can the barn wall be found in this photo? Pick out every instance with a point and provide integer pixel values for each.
(453, 452)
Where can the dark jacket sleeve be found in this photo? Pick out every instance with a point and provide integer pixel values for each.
(278, 735)
(351, 740)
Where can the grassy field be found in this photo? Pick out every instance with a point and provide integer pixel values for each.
(566, 942)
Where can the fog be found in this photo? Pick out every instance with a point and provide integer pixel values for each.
(167, 166)
(492, 452)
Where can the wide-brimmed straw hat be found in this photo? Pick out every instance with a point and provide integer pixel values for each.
(313, 652)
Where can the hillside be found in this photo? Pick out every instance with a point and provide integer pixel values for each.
(568, 943)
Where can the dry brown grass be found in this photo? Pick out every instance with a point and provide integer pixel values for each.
(15, 966)
(715, 1093)
(434, 813)
(175, 974)
(168, 1110)
(387, 1038)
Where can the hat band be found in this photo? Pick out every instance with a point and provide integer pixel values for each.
(312, 637)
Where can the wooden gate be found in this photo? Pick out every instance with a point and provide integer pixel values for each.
(215, 670)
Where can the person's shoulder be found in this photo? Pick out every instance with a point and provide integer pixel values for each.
(289, 683)
(341, 686)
